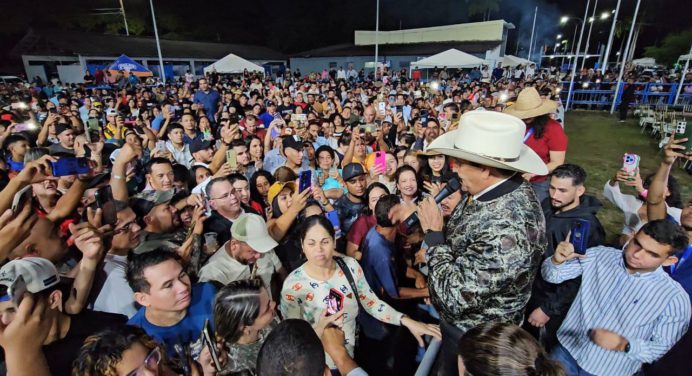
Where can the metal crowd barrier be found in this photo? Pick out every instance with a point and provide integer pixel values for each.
(647, 93)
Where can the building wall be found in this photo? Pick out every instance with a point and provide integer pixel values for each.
(475, 31)
(317, 64)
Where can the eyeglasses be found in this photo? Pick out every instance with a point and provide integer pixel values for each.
(124, 228)
(222, 197)
(151, 363)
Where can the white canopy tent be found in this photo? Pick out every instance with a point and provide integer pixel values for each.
(451, 58)
(513, 61)
(233, 63)
(685, 57)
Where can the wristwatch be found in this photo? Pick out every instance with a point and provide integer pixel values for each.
(627, 347)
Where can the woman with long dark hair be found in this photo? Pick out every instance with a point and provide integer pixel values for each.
(544, 135)
(366, 220)
(307, 289)
(260, 182)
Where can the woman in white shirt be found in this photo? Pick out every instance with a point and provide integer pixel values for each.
(306, 291)
(633, 206)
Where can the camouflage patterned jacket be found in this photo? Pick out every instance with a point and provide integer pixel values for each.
(483, 266)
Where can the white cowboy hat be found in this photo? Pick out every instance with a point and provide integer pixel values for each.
(491, 139)
(529, 104)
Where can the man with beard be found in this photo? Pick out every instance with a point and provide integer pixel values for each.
(677, 360)
(427, 133)
(567, 203)
(160, 220)
(248, 254)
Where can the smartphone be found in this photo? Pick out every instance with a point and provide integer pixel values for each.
(333, 217)
(70, 166)
(23, 196)
(455, 117)
(683, 131)
(399, 109)
(232, 159)
(380, 160)
(630, 163)
(580, 235)
(209, 339)
(53, 110)
(382, 107)
(105, 201)
(335, 301)
(305, 180)
(161, 145)
(18, 289)
(424, 117)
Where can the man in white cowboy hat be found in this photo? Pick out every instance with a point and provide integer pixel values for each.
(544, 135)
(483, 262)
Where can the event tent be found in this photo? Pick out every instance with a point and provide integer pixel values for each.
(451, 58)
(233, 63)
(685, 57)
(513, 61)
(125, 63)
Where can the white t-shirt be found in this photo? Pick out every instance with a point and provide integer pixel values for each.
(223, 268)
(115, 296)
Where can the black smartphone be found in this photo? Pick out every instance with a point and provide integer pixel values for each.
(208, 336)
(104, 201)
(21, 198)
(305, 180)
(684, 130)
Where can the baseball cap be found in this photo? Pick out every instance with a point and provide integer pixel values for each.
(199, 144)
(277, 187)
(293, 142)
(59, 128)
(142, 203)
(38, 274)
(352, 170)
(111, 112)
(251, 229)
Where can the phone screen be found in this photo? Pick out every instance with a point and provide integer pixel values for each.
(305, 180)
(232, 159)
(335, 301)
(104, 201)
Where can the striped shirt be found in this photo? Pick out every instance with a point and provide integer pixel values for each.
(650, 310)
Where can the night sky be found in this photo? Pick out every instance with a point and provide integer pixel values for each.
(297, 25)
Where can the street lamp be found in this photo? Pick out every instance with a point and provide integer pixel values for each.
(592, 19)
(564, 19)
(605, 15)
(559, 36)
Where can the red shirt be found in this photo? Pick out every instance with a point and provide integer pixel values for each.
(360, 228)
(553, 139)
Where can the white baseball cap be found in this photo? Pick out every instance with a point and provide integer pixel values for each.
(251, 229)
(38, 274)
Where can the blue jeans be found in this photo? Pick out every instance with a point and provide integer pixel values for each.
(563, 356)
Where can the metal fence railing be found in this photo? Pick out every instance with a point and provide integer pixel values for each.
(647, 93)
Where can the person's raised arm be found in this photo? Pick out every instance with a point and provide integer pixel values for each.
(33, 172)
(228, 134)
(348, 155)
(656, 198)
(88, 240)
(333, 341)
(166, 120)
(279, 227)
(43, 134)
(119, 174)
(23, 338)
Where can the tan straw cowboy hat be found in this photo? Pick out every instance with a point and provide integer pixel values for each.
(491, 139)
(530, 104)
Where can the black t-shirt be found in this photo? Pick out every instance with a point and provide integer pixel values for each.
(221, 225)
(286, 110)
(61, 353)
(348, 212)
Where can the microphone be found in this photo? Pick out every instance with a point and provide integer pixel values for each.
(452, 186)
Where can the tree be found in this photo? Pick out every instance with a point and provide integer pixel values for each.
(674, 45)
(484, 8)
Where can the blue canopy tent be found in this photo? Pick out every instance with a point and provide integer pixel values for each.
(126, 64)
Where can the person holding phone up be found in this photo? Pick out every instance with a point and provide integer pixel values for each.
(599, 336)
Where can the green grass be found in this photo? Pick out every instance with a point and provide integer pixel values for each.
(597, 142)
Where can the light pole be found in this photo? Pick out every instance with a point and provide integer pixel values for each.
(122, 9)
(533, 29)
(158, 43)
(377, 33)
(624, 57)
(682, 77)
(576, 56)
(592, 19)
(610, 39)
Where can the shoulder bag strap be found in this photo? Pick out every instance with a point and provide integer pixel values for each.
(347, 273)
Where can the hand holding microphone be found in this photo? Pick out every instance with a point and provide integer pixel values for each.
(430, 212)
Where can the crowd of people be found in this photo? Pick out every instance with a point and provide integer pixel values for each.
(328, 225)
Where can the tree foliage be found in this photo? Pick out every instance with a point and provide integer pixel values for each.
(673, 45)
